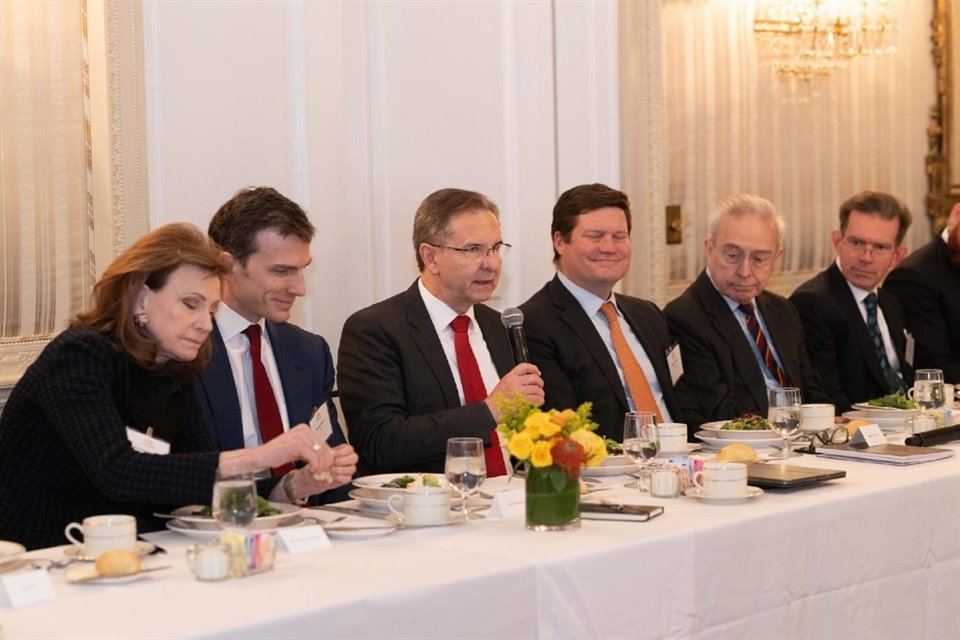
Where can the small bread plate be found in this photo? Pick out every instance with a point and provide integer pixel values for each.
(210, 530)
(689, 447)
(375, 483)
(716, 430)
(455, 518)
(197, 514)
(89, 575)
(748, 494)
(611, 466)
(74, 552)
(353, 530)
(756, 443)
(888, 421)
(375, 500)
(865, 406)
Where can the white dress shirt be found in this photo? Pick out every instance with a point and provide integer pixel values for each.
(231, 325)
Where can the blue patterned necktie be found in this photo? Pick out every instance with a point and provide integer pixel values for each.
(760, 340)
(894, 382)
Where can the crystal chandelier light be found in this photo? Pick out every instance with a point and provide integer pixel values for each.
(807, 39)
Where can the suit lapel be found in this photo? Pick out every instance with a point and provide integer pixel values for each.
(225, 422)
(851, 315)
(495, 336)
(729, 328)
(428, 343)
(780, 335)
(295, 378)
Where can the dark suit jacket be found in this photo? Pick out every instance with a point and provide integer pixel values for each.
(396, 388)
(722, 378)
(64, 453)
(838, 342)
(576, 365)
(306, 373)
(927, 285)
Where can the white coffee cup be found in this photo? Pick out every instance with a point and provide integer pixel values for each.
(816, 417)
(673, 436)
(722, 479)
(104, 533)
(422, 506)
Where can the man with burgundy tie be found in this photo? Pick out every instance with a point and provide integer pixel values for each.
(739, 340)
(267, 375)
(428, 364)
(854, 330)
(591, 344)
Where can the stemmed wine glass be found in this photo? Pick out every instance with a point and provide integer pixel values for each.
(465, 467)
(927, 389)
(234, 500)
(784, 417)
(641, 442)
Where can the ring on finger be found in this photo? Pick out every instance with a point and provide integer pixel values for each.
(316, 446)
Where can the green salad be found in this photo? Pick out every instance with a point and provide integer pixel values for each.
(893, 401)
(264, 508)
(747, 422)
(614, 448)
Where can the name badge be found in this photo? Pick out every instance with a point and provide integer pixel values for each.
(911, 345)
(320, 422)
(144, 443)
(675, 362)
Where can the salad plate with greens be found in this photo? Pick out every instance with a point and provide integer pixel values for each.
(896, 402)
(383, 485)
(269, 514)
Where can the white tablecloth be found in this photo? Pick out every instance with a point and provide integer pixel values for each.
(874, 555)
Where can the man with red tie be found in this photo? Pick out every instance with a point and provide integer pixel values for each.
(268, 375)
(738, 339)
(429, 363)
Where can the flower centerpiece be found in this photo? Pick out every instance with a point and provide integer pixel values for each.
(553, 446)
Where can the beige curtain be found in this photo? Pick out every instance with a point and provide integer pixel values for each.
(731, 127)
(45, 262)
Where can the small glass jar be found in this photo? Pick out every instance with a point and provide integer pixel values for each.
(666, 481)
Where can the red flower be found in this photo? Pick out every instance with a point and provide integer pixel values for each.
(569, 455)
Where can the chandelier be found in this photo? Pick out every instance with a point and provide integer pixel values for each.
(807, 39)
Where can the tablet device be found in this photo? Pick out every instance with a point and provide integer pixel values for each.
(783, 476)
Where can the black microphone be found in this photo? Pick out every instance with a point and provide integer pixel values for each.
(512, 319)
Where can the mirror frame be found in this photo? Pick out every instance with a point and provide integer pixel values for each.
(943, 132)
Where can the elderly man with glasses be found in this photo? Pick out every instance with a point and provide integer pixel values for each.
(738, 340)
(429, 364)
(856, 331)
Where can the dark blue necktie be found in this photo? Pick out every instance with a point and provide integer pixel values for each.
(894, 382)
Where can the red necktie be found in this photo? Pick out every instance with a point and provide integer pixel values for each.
(474, 390)
(268, 413)
(753, 326)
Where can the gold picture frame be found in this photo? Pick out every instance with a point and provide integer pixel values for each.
(943, 132)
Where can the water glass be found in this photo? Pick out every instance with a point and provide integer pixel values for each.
(465, 467)
(234, 500)
(785, 416)
(641, 440)
(928, 390)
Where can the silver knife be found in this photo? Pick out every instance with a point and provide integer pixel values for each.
(353, 511)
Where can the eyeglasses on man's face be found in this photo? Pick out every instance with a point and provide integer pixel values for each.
(476, 252)
(733, 256)
(879, 249)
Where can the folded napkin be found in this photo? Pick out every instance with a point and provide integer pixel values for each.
(934, 436)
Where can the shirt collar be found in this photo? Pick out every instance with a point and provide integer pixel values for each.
(441, 315)
(231, 323)
(590, 302)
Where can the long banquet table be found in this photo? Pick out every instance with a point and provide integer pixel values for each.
(874, 555)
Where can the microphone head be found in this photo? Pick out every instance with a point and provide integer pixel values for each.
(512, 317)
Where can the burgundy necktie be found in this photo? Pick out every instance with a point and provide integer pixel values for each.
(753, 326)
(268, 413)
(474, 389)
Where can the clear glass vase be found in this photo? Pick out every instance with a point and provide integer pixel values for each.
(553, 498)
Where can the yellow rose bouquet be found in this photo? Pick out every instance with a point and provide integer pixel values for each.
(553, 445)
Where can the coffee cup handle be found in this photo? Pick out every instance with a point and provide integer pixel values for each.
(395, 510)
(910, 393)
(698, 479)
(67, 530)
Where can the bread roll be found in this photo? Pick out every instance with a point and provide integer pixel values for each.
(736, 453)
(118, 562)
(853, 425)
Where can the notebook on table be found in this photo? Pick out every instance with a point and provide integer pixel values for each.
(784, 476)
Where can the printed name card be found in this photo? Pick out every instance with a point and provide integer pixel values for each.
(302, 539)
(507, 504)
(870, 434)
(320, 423)
(26, 588)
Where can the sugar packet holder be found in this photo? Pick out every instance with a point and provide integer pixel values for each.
(250, 552)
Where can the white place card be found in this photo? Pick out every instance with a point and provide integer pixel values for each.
(870, 434)
(302, 539)
(26, 588)
(507, 504)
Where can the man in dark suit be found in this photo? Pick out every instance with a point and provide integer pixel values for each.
(569, 336)
(854, 330)
(738, 340)
(266, 240)
(927, 283)
(407, 381)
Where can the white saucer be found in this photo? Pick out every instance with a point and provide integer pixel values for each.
(192, 530)
(76, 553)
(347, 531)
(748, 494)
(455, 518)
(10, 551)
(690, 448)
